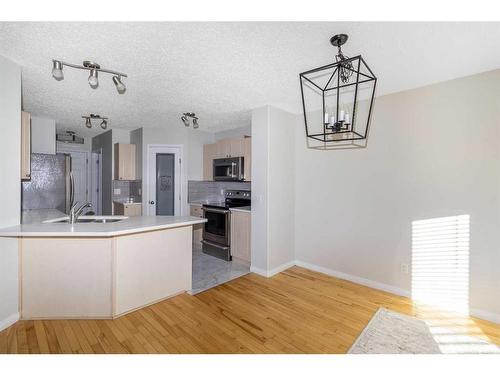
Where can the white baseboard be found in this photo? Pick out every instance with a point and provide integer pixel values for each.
(354, 279)
(485, 315)
(481, 314)
(272, 272)
(7, 322)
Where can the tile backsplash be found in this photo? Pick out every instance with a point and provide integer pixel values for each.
(212, 191)
(127, 189)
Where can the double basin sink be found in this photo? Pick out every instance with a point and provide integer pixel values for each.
(88, 219)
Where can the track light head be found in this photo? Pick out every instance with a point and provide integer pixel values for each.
(195, 123)
(88, 124)
(104, 124)
(93, 80)
(57, 72)
(120, 87)
(185, 120)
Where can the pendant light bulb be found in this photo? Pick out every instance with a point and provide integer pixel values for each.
(120, 87)
(88, 124)
(57, 72)
(93, 80)
(104, 124)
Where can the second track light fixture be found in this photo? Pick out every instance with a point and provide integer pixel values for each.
(89, 118)
(190, 115)
(94, 68)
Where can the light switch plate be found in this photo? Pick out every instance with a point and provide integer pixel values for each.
(116, 191)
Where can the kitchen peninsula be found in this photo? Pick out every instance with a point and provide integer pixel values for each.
(101, 269)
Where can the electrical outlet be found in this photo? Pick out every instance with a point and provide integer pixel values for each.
(116, 191)
(405, 268)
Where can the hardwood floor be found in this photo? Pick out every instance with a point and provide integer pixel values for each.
(296, 311)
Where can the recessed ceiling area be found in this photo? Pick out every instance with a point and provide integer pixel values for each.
(221, 71)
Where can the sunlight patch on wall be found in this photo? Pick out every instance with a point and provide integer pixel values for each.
(440, 262)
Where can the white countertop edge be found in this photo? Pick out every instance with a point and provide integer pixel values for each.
(22, 231)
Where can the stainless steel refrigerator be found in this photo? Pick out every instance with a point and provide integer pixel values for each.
(49, 186)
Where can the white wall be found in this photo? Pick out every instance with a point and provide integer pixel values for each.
(10, 188)
(260, 165)
(234, 133)
(272, 190)
(192, 163)
(43, 135)
(432, 152)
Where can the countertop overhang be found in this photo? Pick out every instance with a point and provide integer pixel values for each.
(131, 225)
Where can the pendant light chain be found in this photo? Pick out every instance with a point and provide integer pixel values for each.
(345, 68)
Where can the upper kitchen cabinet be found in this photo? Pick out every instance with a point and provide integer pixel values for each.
(124, 161)
(43, 135)
(209, 152)
(25, 146)
(227, 148)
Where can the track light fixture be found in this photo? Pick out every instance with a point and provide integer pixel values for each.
(190, 115)
(57, 72)
(93, 80)
(94, 68)
(89, 118)
(120, 87)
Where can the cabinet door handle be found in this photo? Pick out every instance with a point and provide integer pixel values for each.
(151, 202)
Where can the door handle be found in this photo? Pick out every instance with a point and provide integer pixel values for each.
(151, 202)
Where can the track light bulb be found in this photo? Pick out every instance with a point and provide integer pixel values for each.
(104, 124)
(120, 87)
(93, 80)
(57, 72)
(88, 124)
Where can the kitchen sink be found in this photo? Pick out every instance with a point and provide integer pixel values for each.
(88, 219)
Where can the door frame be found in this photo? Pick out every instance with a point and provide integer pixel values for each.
(151, 151)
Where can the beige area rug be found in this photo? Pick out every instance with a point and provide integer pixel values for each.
(389, 332)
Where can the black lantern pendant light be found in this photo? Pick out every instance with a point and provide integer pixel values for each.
(337, 100)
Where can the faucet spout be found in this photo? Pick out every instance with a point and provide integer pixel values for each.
(76, 211)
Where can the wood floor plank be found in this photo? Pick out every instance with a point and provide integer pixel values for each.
(41, 336)
(296, 311)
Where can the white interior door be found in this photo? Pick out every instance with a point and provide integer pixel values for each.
(159, 180)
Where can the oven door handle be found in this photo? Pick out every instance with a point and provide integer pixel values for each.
(215, 210)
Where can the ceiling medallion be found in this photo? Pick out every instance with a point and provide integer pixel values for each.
(91, 117)
(190, 116)
(337, 100)
(94, 68)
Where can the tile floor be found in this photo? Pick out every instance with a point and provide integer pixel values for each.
(209, 271)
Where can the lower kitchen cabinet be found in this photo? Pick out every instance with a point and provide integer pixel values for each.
(127, 209)
(240, 235)
(198, 228)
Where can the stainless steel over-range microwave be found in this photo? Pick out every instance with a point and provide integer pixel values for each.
(228, 169)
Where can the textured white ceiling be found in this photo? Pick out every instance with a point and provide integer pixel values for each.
(222, 71)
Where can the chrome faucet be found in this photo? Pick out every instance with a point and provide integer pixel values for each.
(76, 211)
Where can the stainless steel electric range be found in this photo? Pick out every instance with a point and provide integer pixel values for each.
(217, 230)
